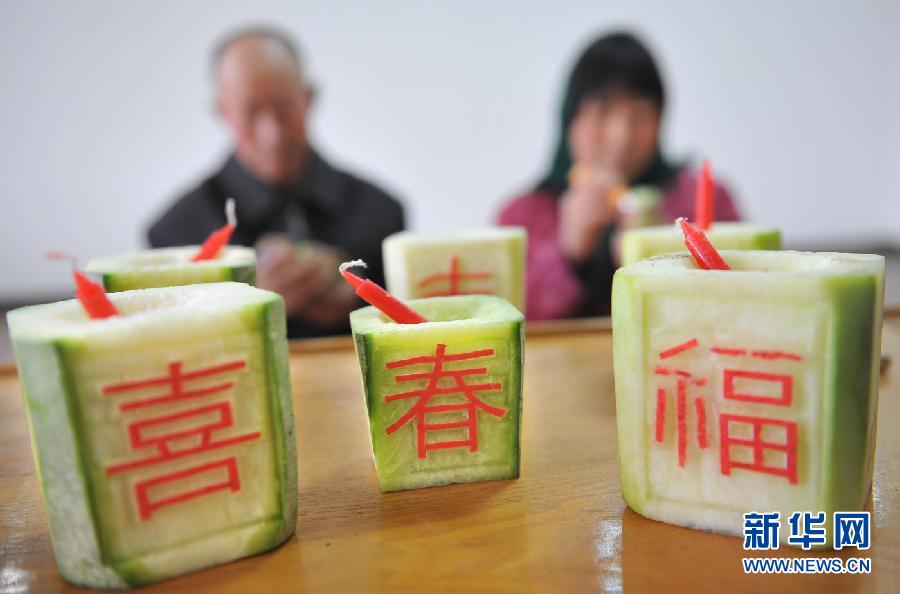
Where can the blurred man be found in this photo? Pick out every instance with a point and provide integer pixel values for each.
(303, 215)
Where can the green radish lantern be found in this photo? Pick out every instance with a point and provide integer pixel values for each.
(643, 242)
(472, 262)
(162, 428)
(442, 379)
(214, 261)
(168, 267)
(747, 389)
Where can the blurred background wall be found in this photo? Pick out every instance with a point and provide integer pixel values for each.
(106, 110)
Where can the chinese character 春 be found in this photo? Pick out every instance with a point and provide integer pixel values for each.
(761, 531)
(807, 529)
(424, 406)
(454, 279)
(176, 435)
(851, 529)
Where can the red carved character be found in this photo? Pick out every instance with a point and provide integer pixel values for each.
(758, 445)
(684, 380)
(433, 390)
(749, 391)
(158, 436)
(454, 279)
(738, 385)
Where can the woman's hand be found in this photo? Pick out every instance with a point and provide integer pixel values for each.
(585, 209)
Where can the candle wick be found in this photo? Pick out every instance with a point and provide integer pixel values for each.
(230, 215)
(378, 297)
(352, 264)
(678, 223)
(72, 260)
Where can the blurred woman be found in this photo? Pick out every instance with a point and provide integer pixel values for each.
(608, 141)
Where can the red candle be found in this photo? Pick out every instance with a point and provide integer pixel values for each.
(704, 206)
(705, 254)
(91, 295)
(219, 238)
(375, 295)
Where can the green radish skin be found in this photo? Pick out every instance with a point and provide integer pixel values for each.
(168, 267)
(644, 242)
(410, 257)
(63, 359)
(464, 324)
(826, 306)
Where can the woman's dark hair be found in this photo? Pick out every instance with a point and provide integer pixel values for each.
(614, 63)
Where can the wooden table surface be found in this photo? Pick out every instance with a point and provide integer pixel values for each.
(561, 527)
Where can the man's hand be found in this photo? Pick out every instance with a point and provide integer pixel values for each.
(584, 210)
(309, 281)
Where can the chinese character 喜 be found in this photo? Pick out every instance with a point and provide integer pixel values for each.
(159, 434)
(433, 389)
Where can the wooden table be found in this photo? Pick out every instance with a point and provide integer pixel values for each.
(561, 527)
